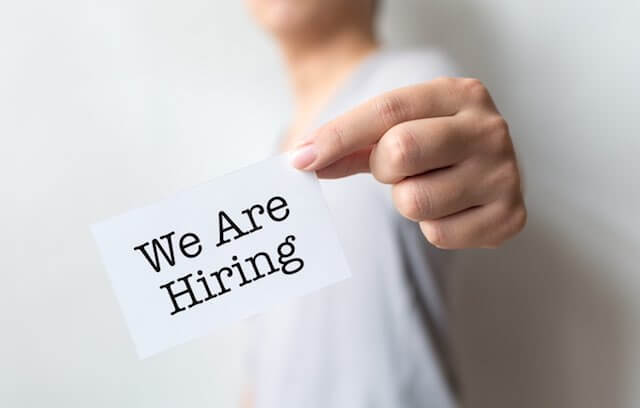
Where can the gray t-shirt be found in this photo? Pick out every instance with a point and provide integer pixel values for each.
(376, 339)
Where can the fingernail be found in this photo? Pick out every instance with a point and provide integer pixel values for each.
(304, 156)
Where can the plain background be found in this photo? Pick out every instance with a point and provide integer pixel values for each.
(108, 105)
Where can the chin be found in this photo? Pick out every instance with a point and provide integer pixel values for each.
(287, 17)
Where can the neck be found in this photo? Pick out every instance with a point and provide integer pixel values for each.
(317, 69)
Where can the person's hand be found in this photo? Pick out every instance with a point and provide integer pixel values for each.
(447, 152)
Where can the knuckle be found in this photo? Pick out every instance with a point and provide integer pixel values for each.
(434, 233)
(508, 176)
(403, 147)
(498, 125)
(474, 89)
(412, 202)
(519, 217)
(515, 217)
(497, 131)
(390, 109)
(405, 201)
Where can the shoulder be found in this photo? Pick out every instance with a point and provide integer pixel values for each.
(398, 68)
(387, 70)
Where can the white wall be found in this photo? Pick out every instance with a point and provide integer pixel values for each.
(553, 319)
(108, 105)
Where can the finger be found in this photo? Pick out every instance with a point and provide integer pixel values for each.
(357, 162)
(417, 146)
(365, 124)
(480, 227)
(444, 192)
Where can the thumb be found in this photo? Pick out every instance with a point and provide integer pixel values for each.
(357, 162)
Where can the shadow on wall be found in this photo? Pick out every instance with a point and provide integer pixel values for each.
(536, 323)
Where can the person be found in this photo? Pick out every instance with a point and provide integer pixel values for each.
(443, 175)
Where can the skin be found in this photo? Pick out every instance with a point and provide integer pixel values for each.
(321, 43)
(446, 151)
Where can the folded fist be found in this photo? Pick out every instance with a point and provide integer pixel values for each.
(446, 150)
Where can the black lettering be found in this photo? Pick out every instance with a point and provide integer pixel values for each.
(280, 204)
(286, 250)
(156, 245)
(249, 213)
(174, 296)
(223, 289)
(205, 285)
(253, 261)
(238, 267)
(195, 240)
(223, 217)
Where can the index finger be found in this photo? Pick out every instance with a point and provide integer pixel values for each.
(364, 125)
